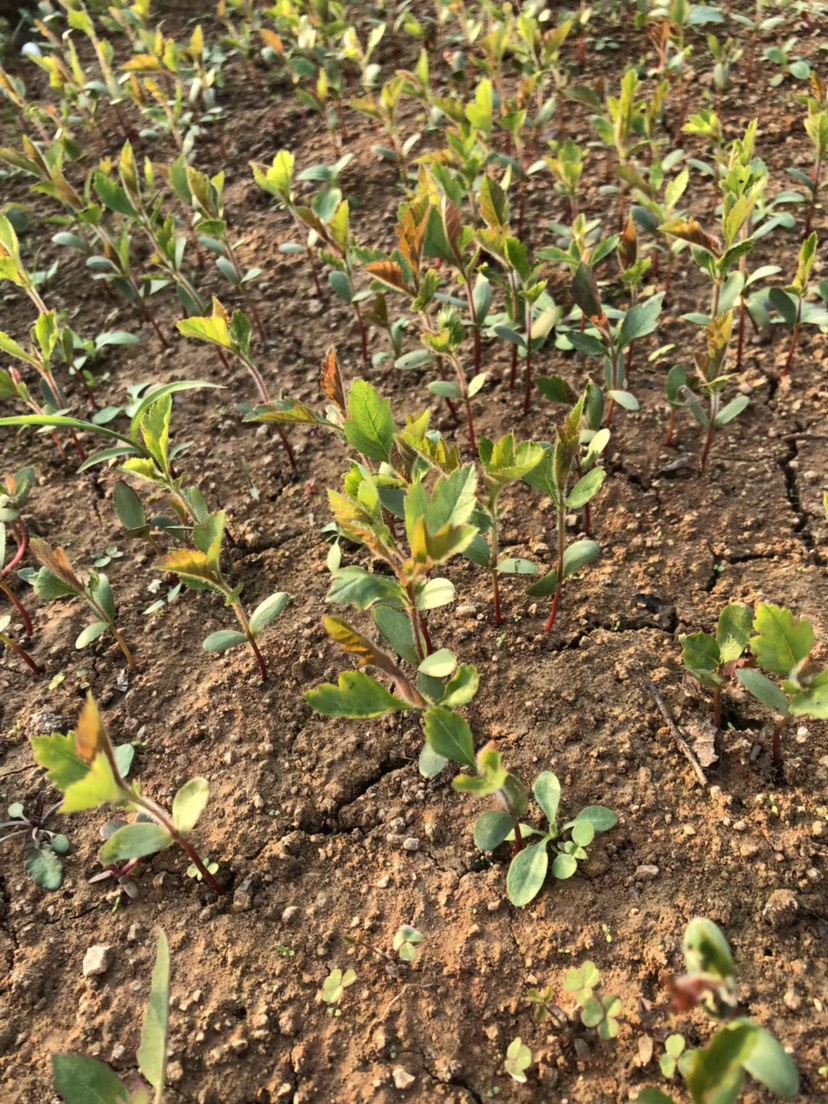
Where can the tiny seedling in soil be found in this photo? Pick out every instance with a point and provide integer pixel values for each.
(599, 1012)
(782, 646)
(713, 659)
(8, 642)
(43, 849)
(57, 579)
(518, 1060)
(450, 738)
(406, 941)
(790, 301)
(739, 1046)
(89, 771)
(81, 1080)
(333, 989)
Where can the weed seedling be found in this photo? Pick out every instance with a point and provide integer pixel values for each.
(518, 1060)
(43, 849)
(739, 1046)
(89, 771)
(80, 1080)
(406, 941)
(597, 1012)
(333, 989)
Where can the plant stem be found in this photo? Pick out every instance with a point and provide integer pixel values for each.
(561, 547)
(251, 640)
(113, 628)
(18, 605)
(717, 707)
(527, 377)
(498, 616)
(166, 822)
(24, 655)
(794, 340)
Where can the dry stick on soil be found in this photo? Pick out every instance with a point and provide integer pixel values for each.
(681, 743)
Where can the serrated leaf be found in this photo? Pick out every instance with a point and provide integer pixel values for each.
(449, 736)
(782, 642)
(45, 868)
(369, 426)
(356, 696)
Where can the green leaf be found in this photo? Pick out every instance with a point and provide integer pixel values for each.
(592, 1012)
(86, 1081)
(189, 803)
(515, 565)
(586, 489)
(730, 411)
(547, 791)
(435, 593)
(640, 321)
(579, 555)
(654, 1096)
(701, 656)
(585, 291)
(812, 701)
(369, 427)
(223, 640)
(45, 868)
(461, 688)
(706, 951)
(733, 631)
(492, 828)
(768, 1063)
(439, 664)
(765, 691)
(129, 509)
(600, 817)
(563, 867)
(97, 787)
(356, 696)
(152, 1053)
(715, 1074)
(450, 736)
(583, 832)
(58, 756)
(395, 626)
(268, 611)
(354, 586)
(90, 634)
(527, 873)
(135, 841)
(782, 642)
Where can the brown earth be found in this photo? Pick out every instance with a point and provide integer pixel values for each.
(308, 816)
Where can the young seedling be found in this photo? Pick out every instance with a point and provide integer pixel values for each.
(43, 849)
(553, 475)
(789, 302)
(57, 579)
(503, 463)
(782, 646)
(674, 1048)
(816, 127)
(518, 1060)
(598, 1012)
(739, 1046)
(713, 660)
(89, 771)
(450, 739)
(80, 1080)
(199, 568)
(406, 941)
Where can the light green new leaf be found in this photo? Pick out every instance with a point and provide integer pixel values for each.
(547, 791)
(189, 803)
(97, 787)
(701, 656)
(152, 1054)
(57, 754)
(733, 631)
(369, 427)
(439, 664)
(782, 642)
(768, 1063)
(45, 868)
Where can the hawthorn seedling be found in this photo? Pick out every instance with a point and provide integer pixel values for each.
(89, 771)
(43, 849)
(739, 1046)
(713, 659)
(706, 404)
(57, 579)
(450, 739)
(199, 568)
(553, 475)
(782, 646)
(80, 1080)
(790, 301)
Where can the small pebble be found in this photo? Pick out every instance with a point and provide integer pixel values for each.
(402, 1078)
(411, 843)
(781, 909)
(646, 872)
(97, 960)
